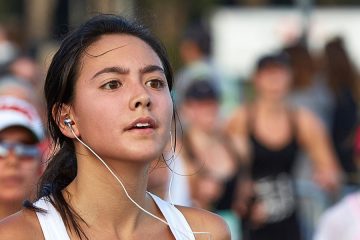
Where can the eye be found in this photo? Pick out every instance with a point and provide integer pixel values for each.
(156, 83)
(111, 85)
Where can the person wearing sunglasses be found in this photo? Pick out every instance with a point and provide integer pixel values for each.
(21, 134)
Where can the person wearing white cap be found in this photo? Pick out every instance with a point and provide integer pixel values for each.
(21, 133)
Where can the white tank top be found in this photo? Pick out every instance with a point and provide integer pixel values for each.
(53, 226)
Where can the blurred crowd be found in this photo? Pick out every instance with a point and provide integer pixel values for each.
(281, 164)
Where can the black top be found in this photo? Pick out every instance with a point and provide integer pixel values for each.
(271, 171)
(268, 161)
(271, 162)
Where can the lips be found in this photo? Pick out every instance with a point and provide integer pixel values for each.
(142, 123)
(11, 180)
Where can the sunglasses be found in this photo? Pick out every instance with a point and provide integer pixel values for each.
(22, 151)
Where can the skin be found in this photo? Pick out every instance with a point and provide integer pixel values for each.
(119, 97)
(17, 177)
(272, 86)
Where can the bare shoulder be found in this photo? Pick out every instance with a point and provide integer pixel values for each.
(237, 120)
(308, 121)
(306, 116)
(240, 113)
(204, 221)
(21, 225)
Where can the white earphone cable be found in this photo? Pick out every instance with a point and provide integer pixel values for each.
(118, 180)
(123, 187)
(172, 159)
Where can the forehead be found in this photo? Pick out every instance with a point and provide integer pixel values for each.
(121, 45)
(275, 67)
(17, 134)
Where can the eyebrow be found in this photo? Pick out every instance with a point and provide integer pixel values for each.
(151, 68)
(118, 70)
(121, 70)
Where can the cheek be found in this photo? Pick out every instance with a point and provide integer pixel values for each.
(94, 115)
(31, 173)
(283, 83)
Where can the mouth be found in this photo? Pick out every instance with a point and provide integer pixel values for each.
(142, 123)
(11, 180)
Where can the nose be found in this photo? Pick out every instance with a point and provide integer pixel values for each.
(12, 159)
(141, 99)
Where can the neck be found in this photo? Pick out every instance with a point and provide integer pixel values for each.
(8, 208)
(99, 198)
(265, 105)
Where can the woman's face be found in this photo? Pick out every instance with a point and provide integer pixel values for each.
(19, 172)
(122, 106)
(202, 114)
(273, 82)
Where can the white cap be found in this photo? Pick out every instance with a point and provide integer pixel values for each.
(17, 112)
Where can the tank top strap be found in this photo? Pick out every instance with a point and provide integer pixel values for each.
(51, 222)
(176, 220)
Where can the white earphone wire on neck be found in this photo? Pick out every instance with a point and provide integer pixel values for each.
(68, 123)
(116, 177)
(172, 159)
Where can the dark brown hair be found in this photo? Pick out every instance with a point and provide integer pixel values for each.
(302, 65)
(339, 69)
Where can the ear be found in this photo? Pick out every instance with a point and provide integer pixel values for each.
(60, 113)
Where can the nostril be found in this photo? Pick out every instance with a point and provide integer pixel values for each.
(141, 102)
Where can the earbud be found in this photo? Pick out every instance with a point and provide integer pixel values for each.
(68, 122)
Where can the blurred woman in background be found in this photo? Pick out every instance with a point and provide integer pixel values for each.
(343, 81)
(267, 133)
(205, 149)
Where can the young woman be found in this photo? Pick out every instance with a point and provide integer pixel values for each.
(268, 133)
(110, 115)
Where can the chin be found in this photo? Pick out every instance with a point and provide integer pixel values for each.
(144, 155)
(12, 197)
(147, 150)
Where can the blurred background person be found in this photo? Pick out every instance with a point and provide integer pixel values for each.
(342, 221)
(209, 160)
(21, 133)
(205, 148)
(19, 88)
(330, 90)
(16, 61)
(309, 89)
(268, 133)
(195, 50)
(8, 50)
(343, 81)
(195, 53)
